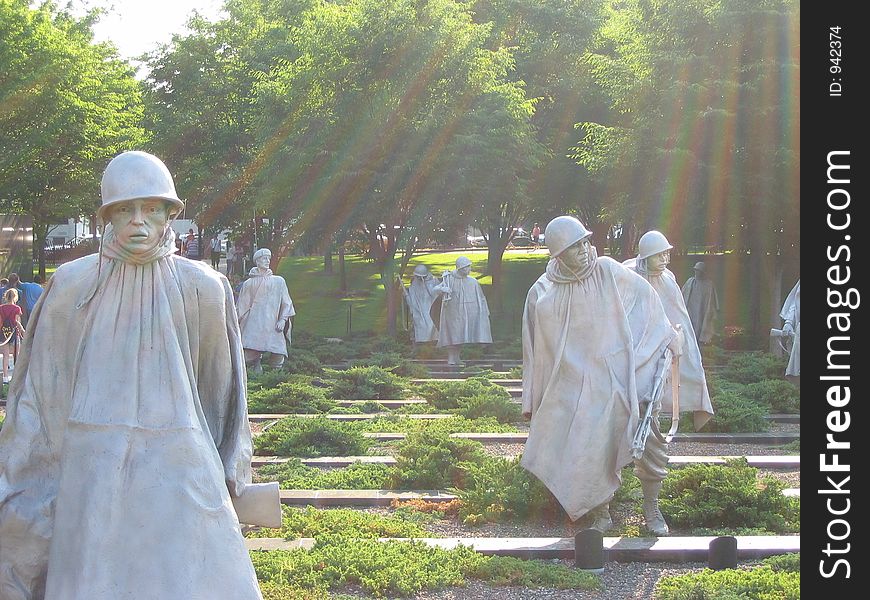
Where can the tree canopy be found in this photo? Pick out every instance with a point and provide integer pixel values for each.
(67, 106)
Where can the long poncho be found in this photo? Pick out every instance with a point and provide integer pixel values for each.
(791, 311)
(694, 395)
(420, 296)
(591, 347)
(125, 436)
(263, 301)
(465, 316)
(702, 305)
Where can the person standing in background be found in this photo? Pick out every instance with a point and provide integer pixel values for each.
(215, 252)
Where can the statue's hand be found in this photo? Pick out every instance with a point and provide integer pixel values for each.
(279, 326)
(788, 329)
(679, 342)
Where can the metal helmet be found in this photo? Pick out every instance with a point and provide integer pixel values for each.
(563, 232)
(137, 175)
(652, 242)
(421, 271)
(463, 261)
(700, 266)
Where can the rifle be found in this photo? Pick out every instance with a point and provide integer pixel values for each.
(667, 363)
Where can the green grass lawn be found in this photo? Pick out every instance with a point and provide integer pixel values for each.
(322, 310)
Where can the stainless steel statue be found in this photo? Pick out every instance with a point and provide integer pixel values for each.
(126, 439)
(595, 336)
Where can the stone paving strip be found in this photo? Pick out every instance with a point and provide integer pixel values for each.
(760, 462)
(520, 437)
(622, 549)
(259, 417)
(322, 498)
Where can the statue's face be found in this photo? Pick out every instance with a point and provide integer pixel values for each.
(464, 271)
(139, 224)
(658, 262)
(263, 261)
(577, 256)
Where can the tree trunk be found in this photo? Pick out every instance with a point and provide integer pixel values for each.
(495, 267)
(327, 261)
(393, 299)
(342, 272)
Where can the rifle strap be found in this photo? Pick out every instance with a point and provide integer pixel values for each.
(675, 396)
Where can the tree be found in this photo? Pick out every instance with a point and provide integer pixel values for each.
(68, 106)
(701, 138)
(361, 129)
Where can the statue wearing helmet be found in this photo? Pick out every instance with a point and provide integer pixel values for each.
(464, 311)
(702, 303)
(594, 335)
(420, 295)
(127, 429)
(791, 316)
(651, 263)
(265, 312)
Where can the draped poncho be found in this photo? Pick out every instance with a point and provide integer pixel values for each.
(791, 311)
(126, 434)
(263, 301)
(702, 304)
(591, 347)
(694, 395)
(420, 296)
(465, 316)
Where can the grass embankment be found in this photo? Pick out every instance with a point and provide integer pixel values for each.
(323, 310)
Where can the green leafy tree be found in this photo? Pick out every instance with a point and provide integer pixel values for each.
(67, 106)
(701, 136)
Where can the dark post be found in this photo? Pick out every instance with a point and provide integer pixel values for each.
(723, 553)
(589, 550)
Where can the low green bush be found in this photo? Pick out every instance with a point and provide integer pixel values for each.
(330, 353)
(402, 569)
(730, 496)
(713, 355)
(428, 461)
(307, 438)
(310, 522)
(760, 583)
(268, 379)
(499, 489)
(303, 361)
(296, 476)
(778, 395)
(785, 562)
(510, 571)
(385, 345)
(735, 413)
(393, 362)
(447, 395)
(380, 568)
(791, 448)
(294, 396)
(364, 383)
(515, 373)
(512, 349)
(472, 351)
(752, 367)
(452, 424)
(501, 407)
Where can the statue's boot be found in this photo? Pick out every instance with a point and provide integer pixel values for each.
(601, 517)
(453, 353)
(655, 521)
